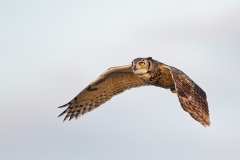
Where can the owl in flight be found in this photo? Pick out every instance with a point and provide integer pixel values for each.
(142, 72)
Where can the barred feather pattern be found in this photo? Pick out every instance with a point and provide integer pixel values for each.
(192, 98)
(103, 89)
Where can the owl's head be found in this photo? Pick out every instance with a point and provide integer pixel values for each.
(142, 66)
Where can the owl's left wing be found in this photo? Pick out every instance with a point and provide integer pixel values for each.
(114, 81)
(192, 98)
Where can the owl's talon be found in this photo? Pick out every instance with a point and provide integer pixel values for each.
(173, 90)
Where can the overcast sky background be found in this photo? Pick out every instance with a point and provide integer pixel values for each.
(50, 50)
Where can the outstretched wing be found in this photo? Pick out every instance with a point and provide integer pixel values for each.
(114, 81)
(192, 98)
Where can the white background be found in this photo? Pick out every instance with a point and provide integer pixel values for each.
(51, 50)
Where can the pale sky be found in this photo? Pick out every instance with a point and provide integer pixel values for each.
(51, 50)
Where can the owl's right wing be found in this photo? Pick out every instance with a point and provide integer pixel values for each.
(114, 81)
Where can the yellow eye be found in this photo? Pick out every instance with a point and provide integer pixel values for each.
(141, 63)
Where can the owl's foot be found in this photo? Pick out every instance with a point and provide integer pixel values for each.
(173, 90)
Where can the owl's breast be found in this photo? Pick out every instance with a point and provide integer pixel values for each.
(152, 77)
(144, 76)
(158, 78)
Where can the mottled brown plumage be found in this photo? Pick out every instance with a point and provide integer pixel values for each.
(142, 72)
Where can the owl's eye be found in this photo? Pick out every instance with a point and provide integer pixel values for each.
(141, 63)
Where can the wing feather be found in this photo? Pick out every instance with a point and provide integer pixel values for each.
(112, 82)
(192, 98)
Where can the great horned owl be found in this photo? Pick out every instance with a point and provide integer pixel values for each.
(142, 72)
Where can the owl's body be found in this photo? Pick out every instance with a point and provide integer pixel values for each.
(142, 72)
